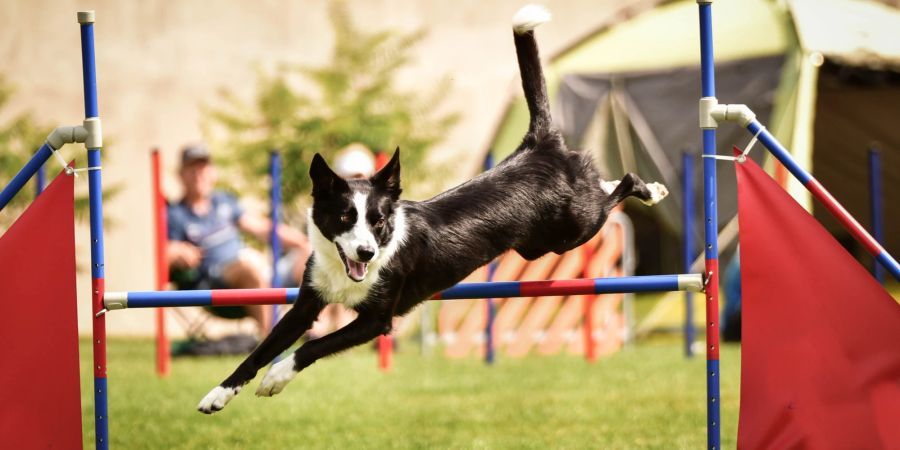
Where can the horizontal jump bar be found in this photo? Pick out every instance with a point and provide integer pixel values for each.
(499, 289)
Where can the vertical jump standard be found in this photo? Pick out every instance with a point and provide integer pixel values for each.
(711, 114)
(94, 142)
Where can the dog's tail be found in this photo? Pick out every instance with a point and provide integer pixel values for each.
(524, 23)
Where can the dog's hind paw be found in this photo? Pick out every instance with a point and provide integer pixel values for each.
(217, 399)
(277, 378)
(609, 186)
(657, 192)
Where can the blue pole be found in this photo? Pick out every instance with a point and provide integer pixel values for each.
(101, 410)
(876, 206)
(491, 303)
(708, 89)
(40, 181)
(688, 225)
(275, 207)
(25, 173)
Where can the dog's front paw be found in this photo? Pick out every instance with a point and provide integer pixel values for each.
(217, 399)
(277, 378)
(657, 192)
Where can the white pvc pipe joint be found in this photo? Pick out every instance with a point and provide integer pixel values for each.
(711, 113)
(90, 134)
(115, 300)
(94, 133)
(66, 135)
(690, 282)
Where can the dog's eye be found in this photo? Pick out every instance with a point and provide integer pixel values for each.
(380, 223)
(346, 218)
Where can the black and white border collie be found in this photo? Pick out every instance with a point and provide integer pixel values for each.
(382, 256)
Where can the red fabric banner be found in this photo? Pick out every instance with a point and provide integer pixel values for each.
(40, 395)
(821, 338)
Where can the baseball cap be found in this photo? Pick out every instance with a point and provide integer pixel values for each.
(354, 161)
(194, 152)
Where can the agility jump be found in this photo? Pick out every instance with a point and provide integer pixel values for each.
(711, 114)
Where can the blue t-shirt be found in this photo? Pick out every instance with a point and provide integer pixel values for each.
(216, 232)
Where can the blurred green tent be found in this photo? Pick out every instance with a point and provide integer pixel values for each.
(822, 75)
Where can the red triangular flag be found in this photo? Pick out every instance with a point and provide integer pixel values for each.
(821, 338)
(39, 327)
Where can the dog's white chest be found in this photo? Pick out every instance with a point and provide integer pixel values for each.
(329, 276)
(330, 280)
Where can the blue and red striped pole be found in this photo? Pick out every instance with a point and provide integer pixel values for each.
(93, 144)
(708, 90)
(820, 193)
(462, 291)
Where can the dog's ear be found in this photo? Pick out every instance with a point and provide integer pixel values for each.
(388, 178)
(324, 180)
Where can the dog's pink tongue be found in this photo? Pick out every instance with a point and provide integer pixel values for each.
(357, 269)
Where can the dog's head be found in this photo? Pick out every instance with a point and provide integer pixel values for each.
(357, 216)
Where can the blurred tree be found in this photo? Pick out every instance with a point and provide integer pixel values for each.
(20, 138)
(353, 99)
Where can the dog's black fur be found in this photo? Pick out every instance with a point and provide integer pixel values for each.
(542, 198)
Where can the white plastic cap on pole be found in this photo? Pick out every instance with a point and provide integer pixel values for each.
(354, 161)
(86, 16)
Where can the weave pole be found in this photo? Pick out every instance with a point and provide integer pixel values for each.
(95, 191)
(711, 219)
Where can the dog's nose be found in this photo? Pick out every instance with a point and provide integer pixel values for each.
(365, 253)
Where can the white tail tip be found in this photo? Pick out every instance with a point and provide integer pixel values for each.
(529, 17)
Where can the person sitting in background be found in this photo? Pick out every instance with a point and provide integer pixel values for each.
(205, 249)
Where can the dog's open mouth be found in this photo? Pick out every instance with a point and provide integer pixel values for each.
(355, 270)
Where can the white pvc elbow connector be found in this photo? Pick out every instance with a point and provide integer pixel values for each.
(66, 135)
(734, 113)
(711, 113)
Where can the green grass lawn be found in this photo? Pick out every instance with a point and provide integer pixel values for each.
(647, 396)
